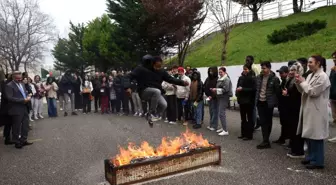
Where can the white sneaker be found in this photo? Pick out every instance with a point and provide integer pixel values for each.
(155, 118)
(332, 140)
(61, 109)
(35, 118)
(139, 114)
(223, 133)
(31, 119)
(219, 130)
(41, 116)
(172, 122)
(166, 121)
(210, 128)
(136, 114)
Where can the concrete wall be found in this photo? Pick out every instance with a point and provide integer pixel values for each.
(235, 71)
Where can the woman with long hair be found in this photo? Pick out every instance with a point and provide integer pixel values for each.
(313, 121)
(86, 89)
(223, 91)
(104, 95)
(51, 88)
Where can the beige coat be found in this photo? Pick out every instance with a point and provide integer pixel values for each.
(314, 106)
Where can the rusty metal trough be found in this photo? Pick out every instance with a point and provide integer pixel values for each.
(156, 168)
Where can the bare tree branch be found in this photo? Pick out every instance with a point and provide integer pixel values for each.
(25, 32)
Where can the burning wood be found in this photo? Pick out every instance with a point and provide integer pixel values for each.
(187, 142)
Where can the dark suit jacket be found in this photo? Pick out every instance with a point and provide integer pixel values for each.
(16, 103)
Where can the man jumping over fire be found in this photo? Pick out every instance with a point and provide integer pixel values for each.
(150, 76)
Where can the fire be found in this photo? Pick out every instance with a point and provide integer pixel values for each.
(187, 141)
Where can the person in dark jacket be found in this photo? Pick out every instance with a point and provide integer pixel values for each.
(210, 83)
(296, 143)
(332, 95)
(283, 106)
(104, 95)
(120, 93)
(196, 98)
(67, 84)
(77, 92)
(6, 119)
(96, 93)
(150, 76)
(268, 89)
(245, 93)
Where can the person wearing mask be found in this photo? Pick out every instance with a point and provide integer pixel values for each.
(86, 89)
(104, 95)
(18, 110)
(67, 84)
(268, 89)
(96, 91)
(196, 98)
(77, 92)
(223, 92)
(332, 78)
(38, 98)
(245, 92)
(296, 143)
(209, 84)
(150, 76)
(182, 94)
(51, 88)
(249, 61)
(313, 123)
(170, 94)
(113, 96)
(283, 106)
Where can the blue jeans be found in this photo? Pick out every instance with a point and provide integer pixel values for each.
(213, 109)
(52, 108)
(198, 112)
(315, 152)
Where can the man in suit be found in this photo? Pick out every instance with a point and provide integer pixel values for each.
(18, 110)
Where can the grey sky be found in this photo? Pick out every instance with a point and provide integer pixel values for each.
(78, 11)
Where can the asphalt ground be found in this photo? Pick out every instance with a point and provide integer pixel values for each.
(70, 151)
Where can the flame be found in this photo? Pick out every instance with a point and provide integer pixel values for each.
(187, 141)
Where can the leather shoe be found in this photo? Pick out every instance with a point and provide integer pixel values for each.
(18, 145)
(264, 145)
(26, 143)
(305, 162)
(247, 139)
(313, 167)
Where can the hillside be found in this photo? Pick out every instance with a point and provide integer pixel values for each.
(251, 39)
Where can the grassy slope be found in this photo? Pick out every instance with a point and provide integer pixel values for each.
(251, 39)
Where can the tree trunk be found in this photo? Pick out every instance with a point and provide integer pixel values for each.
(255, 13)
(25, 66)
(224, 52)
(296, 7)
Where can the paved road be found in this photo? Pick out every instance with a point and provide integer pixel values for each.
(71, 150)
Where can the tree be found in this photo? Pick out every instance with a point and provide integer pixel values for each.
(297, 8)
(25, 32)
(254, 6)
(69, 52)
(221, 13)
(102, 44)
(176, 21)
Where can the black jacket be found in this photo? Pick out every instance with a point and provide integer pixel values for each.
(67, 83)
(200, 87)
(148, 77)
(16, 104)
(272, 89)
(134, 85)
(248, 84)
(211, 82)
(118, 83)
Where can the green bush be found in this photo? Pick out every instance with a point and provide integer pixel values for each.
(296, 31)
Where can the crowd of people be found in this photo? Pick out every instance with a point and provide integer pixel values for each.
(178, 95)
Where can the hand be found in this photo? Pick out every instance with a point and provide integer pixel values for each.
(284, 92)
(299, 79)
(210, 97)
(129, 91)
(27, 99)
(239, 89)
(186, 83)
(213, 89)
